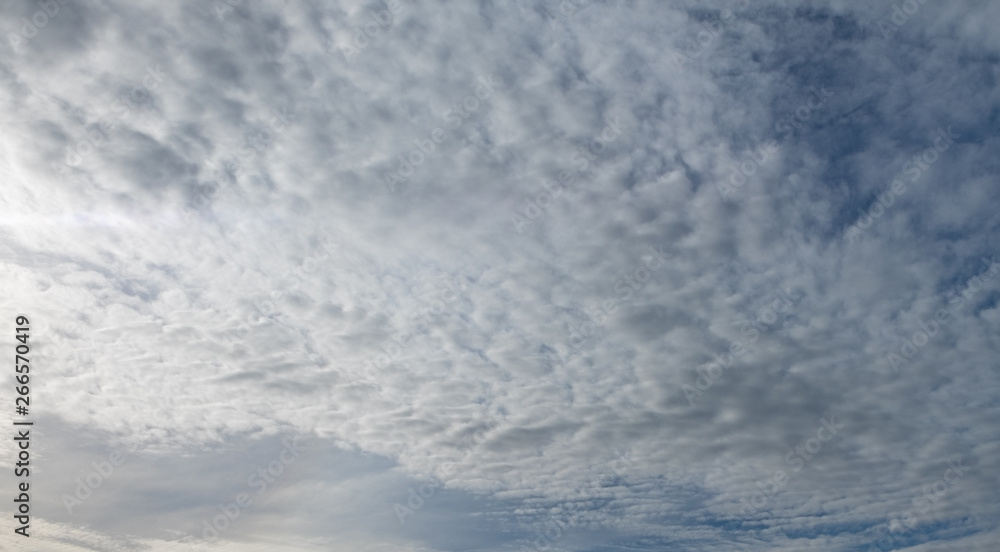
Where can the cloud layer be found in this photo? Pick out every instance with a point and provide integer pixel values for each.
(589, 274)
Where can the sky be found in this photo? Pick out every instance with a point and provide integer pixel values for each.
(573, 276)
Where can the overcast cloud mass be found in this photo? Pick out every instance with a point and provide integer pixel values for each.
(574, 275)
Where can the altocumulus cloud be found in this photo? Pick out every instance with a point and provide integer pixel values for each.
(142, 287)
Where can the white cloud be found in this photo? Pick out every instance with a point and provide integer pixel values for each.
(174, 331)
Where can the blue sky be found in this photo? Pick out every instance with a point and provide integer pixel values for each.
(486, 276)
